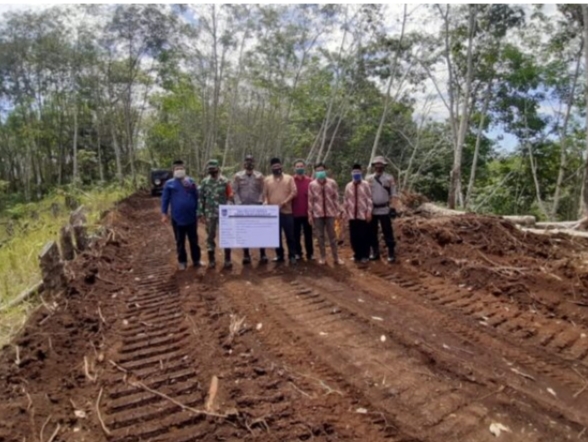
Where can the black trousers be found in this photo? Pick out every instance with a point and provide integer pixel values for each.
(386, 223)
(286, 226)
(247, 253)
(359, 235)
(301, 225)
(180, 233)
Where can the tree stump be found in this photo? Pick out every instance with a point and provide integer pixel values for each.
(52, 268)
(67, 244)
(78, 220)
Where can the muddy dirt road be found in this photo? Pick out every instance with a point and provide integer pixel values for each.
(477, 334)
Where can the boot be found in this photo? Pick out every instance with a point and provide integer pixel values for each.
(246, 258)
(391, 256)
(228, 263)
(211, 259)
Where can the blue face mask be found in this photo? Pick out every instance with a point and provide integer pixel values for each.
(356, 176)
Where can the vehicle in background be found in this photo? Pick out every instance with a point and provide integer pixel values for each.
(157, 178)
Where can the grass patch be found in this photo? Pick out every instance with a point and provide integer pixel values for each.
(24, 230)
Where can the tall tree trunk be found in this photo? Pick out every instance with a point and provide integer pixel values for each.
(117, 155)
(464, 121)
(75, 147)
(472, 181)
(585, 186)
(564, 138)
(393, 65)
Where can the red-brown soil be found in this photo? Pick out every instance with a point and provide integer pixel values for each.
(476, 324)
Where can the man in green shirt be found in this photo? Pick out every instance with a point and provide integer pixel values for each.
(215, 190)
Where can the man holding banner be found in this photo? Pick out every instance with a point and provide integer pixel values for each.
(279, 189)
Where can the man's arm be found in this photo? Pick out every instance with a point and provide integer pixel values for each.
(165, 200)
(394, 200)
(293, 192)
(236, 189)
(370, 202)
(265, 192)
(230, 194)
(202, 198)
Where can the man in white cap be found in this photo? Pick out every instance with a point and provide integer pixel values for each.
(385, 201)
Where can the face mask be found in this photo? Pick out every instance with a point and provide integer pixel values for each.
(277, 171)
(180, 173)
(299, 171)
(356, 176)
(249, 166)
(320, 175)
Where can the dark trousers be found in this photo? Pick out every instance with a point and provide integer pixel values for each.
(286, 226)
(301, 225)
(359, 235)
(386, 222)
(247, 253)
(180, 233)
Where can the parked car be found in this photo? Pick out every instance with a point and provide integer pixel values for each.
(157, 178)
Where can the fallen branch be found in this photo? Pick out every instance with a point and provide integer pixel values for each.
(175, 402)
(520, 373)
(90, 377)
(101, 315)
(41, 438)
(23, 296)
(102, 424)
(54, 435)
(212, 391)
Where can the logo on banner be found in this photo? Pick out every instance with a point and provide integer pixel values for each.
(224, 212)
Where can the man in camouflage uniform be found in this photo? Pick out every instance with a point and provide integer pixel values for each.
(248, 190)
(214, 191)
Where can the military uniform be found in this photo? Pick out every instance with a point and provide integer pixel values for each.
(214, 192)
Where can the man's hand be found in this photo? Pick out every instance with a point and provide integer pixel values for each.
(310, 220)
(164, 218)
(368, 217)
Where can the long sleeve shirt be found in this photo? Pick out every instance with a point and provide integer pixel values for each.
(280, 190)
(248, 188)
(323, 199)
(182, 195)
(358, 200)
(300, 201)
(214, 192)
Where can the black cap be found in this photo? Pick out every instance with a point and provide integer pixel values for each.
(275, 161)
(356, 166)
(178, 163)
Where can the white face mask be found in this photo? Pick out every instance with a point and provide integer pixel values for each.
(180, 173)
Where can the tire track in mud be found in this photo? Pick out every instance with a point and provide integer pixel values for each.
(422, 396)
(153, 349)
(474, 344)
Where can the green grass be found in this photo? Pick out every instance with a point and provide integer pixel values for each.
(24, 230)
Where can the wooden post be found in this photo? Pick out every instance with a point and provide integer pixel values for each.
(78, 220)
(52, 269)
(67, 244)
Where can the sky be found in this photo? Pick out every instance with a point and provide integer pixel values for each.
(420, 19)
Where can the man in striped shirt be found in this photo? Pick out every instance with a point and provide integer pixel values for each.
(358, 211)
(323, 208)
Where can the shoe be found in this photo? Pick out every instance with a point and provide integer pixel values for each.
(374, 257)
(321, 262)
(182, 266)
(263, 260)
(310, 258)
(228, 265)
(278, 259)
(246, 260)
(364, 260)
(198, 264)
(391, 259)
(293, 261)
(211, 260)
(298, 257)
(339, 262)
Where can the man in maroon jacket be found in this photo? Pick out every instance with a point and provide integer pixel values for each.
(300, 211)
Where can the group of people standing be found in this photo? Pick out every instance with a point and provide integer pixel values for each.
(308, 208)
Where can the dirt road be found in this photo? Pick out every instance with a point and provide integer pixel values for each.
(477, 334)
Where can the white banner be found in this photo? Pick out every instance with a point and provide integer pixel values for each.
(249, 226)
